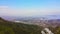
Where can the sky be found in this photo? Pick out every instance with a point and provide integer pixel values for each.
(29, 7)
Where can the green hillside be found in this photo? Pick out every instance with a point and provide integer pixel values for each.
(7, 27)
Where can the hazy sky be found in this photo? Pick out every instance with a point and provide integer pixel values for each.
(29, 7)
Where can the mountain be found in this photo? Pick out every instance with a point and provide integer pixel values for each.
(7, 27)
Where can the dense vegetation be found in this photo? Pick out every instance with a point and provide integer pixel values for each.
(7, 27)
(55, 30)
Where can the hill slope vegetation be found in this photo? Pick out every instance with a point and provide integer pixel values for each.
(7, 27)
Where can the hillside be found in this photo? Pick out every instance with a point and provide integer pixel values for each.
(7, 27)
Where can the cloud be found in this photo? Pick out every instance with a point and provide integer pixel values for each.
(6, 10)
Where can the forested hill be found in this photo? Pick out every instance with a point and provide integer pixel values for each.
(7, 27)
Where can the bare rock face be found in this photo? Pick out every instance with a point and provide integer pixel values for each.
(46, 31)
